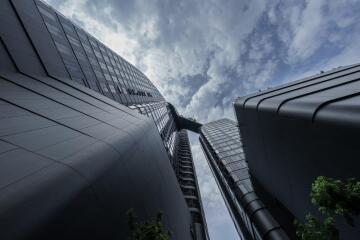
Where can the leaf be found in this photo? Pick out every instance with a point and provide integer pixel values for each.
(149, 230)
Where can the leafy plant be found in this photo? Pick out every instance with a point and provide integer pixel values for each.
(335, 197)
(332, 197)
(149, 230)
(314, 229)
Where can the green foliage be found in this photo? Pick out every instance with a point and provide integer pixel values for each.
(314, 229)
(335, 197)
(152, 230)
(332, 197)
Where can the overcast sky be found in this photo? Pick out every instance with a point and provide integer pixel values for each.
(202, 54)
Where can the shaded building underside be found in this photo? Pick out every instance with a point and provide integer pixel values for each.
(72, 160)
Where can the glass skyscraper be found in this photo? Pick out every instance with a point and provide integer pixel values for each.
(185, 172)
(223, 148)
(94, 65)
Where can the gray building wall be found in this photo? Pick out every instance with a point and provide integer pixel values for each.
(73, 161)
(298, 131)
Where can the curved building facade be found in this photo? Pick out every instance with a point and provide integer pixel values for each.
(84, 135)
(298, 131)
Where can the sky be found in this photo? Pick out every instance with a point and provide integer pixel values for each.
(203, 54)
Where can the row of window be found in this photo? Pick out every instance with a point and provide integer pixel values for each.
(233, 172)
(185, 172)
(92, 64)
(163, 120)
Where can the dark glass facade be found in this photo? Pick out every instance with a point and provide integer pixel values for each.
(185, 172)
(223, 147)
(94, 65)
(160, 113)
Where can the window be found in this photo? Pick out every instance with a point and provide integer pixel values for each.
(111, 69)
(107, 77)
(62, 48)
(73, 40)
(106, 59)
(102, 65)
(112, 89)
(93, 61)
(103, 87)
(46, 13)
(97, 53)
(52, 29)
(119, 89)
(87, 48)
(80, 56)
(98, 74)
(67, 27)
(82, 36)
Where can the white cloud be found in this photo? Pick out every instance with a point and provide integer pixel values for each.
(224, 42)
(171, 42)
(316, 24)
(308, 32)
(349, 55)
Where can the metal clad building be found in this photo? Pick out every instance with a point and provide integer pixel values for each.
(298, 131)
